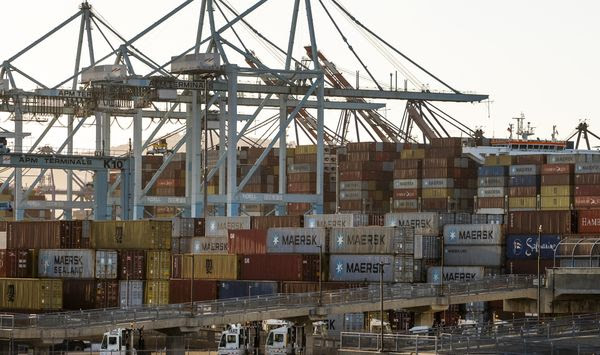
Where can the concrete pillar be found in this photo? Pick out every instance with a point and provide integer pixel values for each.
(175, 345)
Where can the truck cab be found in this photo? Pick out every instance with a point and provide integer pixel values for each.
(237, 340)
(288, 339)
(117, 342)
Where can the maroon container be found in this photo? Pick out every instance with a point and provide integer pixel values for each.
(407, 193)
(280, 267)
(247, 241)
(33, 235)
(132, 265)
(588, 221)
(408, 164)
(311, 286)
(552, 222)
(523, 191)
(490, 202)
(558, 169)
(177, 266)
(266, 222)
(587, 202)
(562, 179)
(587, 179)
(18, 263)
(536, 159)
(90, 294)
(587, 190)
(199, 227)
(180, 291)
(527, 266)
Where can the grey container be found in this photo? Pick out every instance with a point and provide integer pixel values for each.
(355, 185)
(446, 218)
(371, 240)
(437, 183)
(473, 234)
(491, 192)
(566, 158)
(479, 218)
(407, 183)
(521, 170)
(424, 223)
(296, 240)
(218, 225)
(462, 218)
(66, 263)
(587, 168)
(346, 322)
(342, 220)
(131, 293)
(492, 181)
(427, 247)
(209, 245)
(474, 255)
(406, 204)
(106, 264)
(454, 273)
(367, 268)
(495, 218)
(182, 227)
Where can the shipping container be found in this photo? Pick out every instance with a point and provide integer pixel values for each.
(146, 234)
(427, 247)
(266, 222)
(18, 263)
(211, 267)
(492, 181)
(218, 225)
(587, 168)
(131, 293)
(528, 266)
(66, 263)
(296, 240)
(436, 274)
(158, 265)
(280, 267)
(182, 227)
(523, 191)
(208, 245)
(106, 264)
(132, 264)
(341, 220)
(90, 294)
(424, 223)
(368, 268)
(552, 222)
(491, 202)
(406, 205)
(437, 183)
(185, 291)
(473, 234)
(344, 322)
(474, 255)
(484, 171)
(588, 221)
(31, 295)
(587, 202)
(558, 203)
(247, 241)
(526, 246)
(407, 184)
(522, 203)
(565, 158)
(553, 190)
(524, 180)
(156, 292)
(587, 179)
(371, 240)
(498, 160)
(491, 192)
(587, 190)
(558, 169)
(563, 179)
(521, 170)
(313, 286)
(238, 289)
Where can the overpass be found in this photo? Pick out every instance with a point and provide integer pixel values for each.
(190, 317)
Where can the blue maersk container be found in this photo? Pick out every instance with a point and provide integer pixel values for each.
(525, 246)
(524, 180)
(237, 289)
(492, 171)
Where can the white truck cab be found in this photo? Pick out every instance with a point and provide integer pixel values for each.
(288, 339)
(236, 340)
(118, 342)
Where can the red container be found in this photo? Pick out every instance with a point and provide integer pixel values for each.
(132, 265)
(18, 263)
(280, 267)
(588, 221)
(587, 190)
(408, 164)
(490, 202)
(247, 241)
(407, 193)
(523, 191)
(527, 266)
(311, 286)
(537, 159)
(180, 291)
(563, 179)
(587, 202)
(177, 266)
(557, 169)
(266, 222)
(90, 294)
(46, 235)
(552, 222)
(587, 179)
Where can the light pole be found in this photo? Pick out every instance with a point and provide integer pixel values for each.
(381, 265)
(320, 274)
(539, 253)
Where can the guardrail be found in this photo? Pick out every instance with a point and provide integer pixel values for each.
(99, 317)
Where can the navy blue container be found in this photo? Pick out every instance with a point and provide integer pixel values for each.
(237, 289)
(524, 180)
(525, 246)
(492, 171)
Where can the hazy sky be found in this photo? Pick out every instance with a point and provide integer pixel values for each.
(537, 57)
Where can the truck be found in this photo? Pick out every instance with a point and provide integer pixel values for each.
(239, 340)
(286, 339)
(121, 341)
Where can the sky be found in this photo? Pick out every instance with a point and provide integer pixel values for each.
(534, 57)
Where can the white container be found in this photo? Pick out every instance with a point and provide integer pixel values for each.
(371, 240)
(424, 223)
(66, 263)
(131, 293)
(218, 225)
(209, 245)
(342, 220)
(296, 240)
(473, 234)
(106, 264)
(454, 273)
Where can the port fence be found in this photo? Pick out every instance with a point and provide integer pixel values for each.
(113, 316)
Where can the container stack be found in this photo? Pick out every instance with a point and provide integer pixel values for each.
(426, 225)
(557, 187)
(366, 176)
(492, 182)
(407, 181)
(524, 183)
(587, 185)
(474, 245)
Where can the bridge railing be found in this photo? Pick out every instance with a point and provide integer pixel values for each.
(260, 303)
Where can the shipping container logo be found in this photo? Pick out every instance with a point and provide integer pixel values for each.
(339, 268)
(10, 293)
(209, 266)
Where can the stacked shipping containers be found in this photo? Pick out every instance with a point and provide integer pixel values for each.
(407, 182)
(524, 183)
